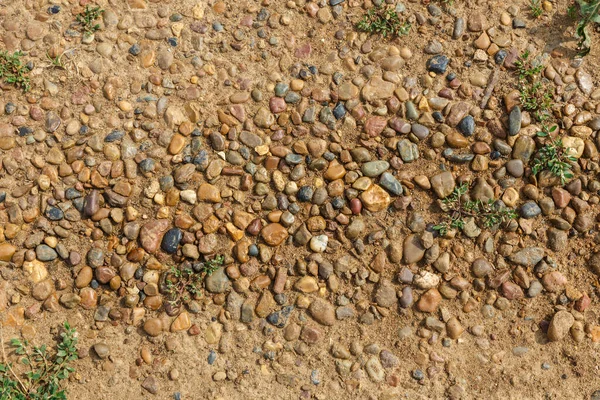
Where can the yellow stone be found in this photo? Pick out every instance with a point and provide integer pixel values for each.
(7, 250)
(36, 270)
(242, 219)
(510, 197)
(307, 284)
(125, 106)
(181, 323)
(234, 232)
(213, 333)
(15, 317)
(177, 144)
(147, 58)
(375, 198)
(176, 28)
(211, 224)
(198, 10)
(210, 193)
(335, 171)
(274, 234)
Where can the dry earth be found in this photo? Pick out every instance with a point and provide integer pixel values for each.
(313, 157)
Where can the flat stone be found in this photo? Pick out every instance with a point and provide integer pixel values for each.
(274, 234)
(443, 184)
(413, 250)
(322, 311)
(217, 282)
(151, 234)
(375, 198)
(528, 257)
(560, 325)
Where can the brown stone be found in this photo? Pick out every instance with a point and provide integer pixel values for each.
(274, 234)
(429, 301)
(375, 198)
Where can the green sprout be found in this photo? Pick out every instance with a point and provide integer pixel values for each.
(486, 214)
(184, 284)
(87, 19)
(384, 21)
(46, 371)
(555, 158)
(13, 71)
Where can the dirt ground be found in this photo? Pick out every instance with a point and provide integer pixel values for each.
(502, 354)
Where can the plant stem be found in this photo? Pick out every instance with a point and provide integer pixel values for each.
(5, 361)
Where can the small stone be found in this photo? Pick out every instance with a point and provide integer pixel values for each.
(274, 234)
(443, 184)
(375, 198)
(429, 301)
(171, 239)
(514, 121)
(322, 312)
(102, 350)
(153, 327)
(438, 64)
(466, 126)
(560, 325)
(150, 384)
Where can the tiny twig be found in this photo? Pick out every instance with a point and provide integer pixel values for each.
(489, 89)
(5, 361)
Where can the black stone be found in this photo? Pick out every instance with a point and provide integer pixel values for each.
(339, 111)
(54, 214)
(500, 56)
(305, 193)
(438, 64)
(279, 318)
(466, 126)
(171, 240)
(114, 136)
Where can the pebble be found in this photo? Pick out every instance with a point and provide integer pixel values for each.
(560, 325)
(438, 64)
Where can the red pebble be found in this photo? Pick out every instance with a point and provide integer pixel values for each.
(355, 206)
(583, 302)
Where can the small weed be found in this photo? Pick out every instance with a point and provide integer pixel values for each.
(56, 62)
(572, 11)
(546, 130)
(486, 214)
(87, 19)
(46, 372)
(553, 157)
(536, 98)
(526, 69)
(534, 95)
(13, 71)
(384, 21)
(183, 284)
(588, 11)
(536, 8)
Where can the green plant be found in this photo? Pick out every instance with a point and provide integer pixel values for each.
(546, 130)
(184, 283)
(383, 20)
(525, 67)
(536, 8)
(13, 71)
(572, 11)
(534, 95)
(553, 157)
(486, 214)
(46, 372)
(588, 11)
(56, 62)
(536, 98)
(87, 19)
